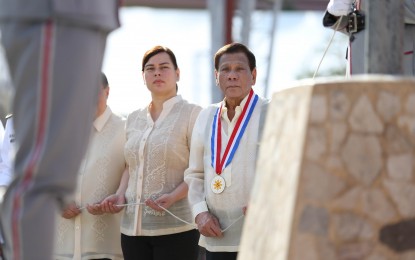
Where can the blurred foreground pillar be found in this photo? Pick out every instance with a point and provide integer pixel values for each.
(335, 176)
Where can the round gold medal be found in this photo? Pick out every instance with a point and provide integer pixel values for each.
(218, 184)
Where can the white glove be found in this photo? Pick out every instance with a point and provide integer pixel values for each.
(339, 7)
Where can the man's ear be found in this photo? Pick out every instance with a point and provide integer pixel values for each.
(253, 76)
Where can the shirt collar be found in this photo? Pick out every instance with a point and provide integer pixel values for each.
(167, 106)
(238, 109)
(100, 121)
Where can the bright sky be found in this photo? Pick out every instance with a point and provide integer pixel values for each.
(299, 45)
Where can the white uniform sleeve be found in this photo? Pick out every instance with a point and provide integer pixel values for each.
(1, 135)
(7, 154)
(339, 7)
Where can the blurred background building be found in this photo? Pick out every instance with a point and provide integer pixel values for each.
(201, 4)
(286, 36)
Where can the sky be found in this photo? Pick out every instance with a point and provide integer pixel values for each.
(299, 44)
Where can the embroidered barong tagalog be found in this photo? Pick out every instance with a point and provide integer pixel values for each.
(218, 163)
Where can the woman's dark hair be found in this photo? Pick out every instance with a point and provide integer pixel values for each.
(235, 48)
(156, 50)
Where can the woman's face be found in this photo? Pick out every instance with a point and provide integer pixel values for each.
(160, 76)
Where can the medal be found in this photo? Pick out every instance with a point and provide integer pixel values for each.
(218, 184)
(219, 163)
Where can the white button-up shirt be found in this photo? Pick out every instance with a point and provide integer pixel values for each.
(239, 174)
(157, 154)
(90, 236)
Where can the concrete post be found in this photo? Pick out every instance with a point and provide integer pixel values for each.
(335, 175)
(384, 34)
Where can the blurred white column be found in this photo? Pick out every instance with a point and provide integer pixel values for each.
(217, 14)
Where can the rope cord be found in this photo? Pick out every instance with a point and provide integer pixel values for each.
(176, 217)
(328, 46)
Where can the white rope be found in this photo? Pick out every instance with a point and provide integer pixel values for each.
(328, 46)
(142, 203)
(184, 221)
(236, 220)
(176, 217)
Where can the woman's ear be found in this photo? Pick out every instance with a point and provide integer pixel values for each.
(177, 75)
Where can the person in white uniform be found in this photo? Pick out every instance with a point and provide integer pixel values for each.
(6, 160)
(7, 154)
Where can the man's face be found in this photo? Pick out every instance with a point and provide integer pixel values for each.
(234, 76)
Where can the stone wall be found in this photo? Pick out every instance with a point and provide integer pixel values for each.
(336, 173)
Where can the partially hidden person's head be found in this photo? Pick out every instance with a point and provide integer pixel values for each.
(103, 94)
(235, 70)
(160, 71)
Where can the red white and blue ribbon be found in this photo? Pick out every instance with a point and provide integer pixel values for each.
(218, 163)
